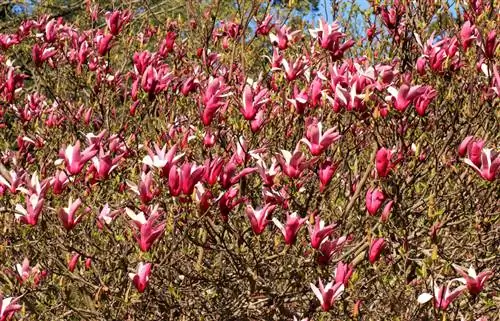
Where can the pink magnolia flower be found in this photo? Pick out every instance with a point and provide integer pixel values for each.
(12, 180)
(141, 277)
(162, 159)
(316, 140)
(40, 54)
(329, 37)
(258, 218)
(467, 34)
(227, 201)
(387, 211)
(103, 43)
(328, 248)
(116, 20)
(148, 230)
(73, 261)
(167, 45)
(103, 164)
(183, 179)
(213, 99)
(58, 182)
(376, 247)
(474, 282)
(145, 190)
(327, 294)
(267, 173)
(252, 101)
(67, 214)
(228, 176)
(343, 273)
(26, 272)
(190, 85)
(74, 159)
(423, 101)
(443, 297)
(383, 161)
(283, 36)
(471, 146)
(293, 70)
(264, 26)
(291, 227)
(490, 163)
(106, 216)
(319, 232)
(213, 168)
(299, 100)
(374, 199)
(31, 213)
(403, 97)
(292, 164)
(8, 306)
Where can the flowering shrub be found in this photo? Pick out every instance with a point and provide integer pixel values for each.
(143, 161)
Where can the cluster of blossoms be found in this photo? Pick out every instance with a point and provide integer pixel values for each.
(196, 162)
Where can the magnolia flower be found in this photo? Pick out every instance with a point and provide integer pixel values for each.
(258, 218)
(474, 282)
(443, 297)
(8, 306)
(327, 294)
(291, 227)
(490, 164)
(74, 159)
(319, 232)
(148, 230)
(31, 213)
(376, 247)
(292, 164)
(141, 278)
(316, 140)
(374, 199)
(25, 272)
(343, 273)
(67, 214)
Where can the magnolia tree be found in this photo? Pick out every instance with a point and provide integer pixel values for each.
(251, 166)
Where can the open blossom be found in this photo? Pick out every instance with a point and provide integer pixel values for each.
(328, 248)
(253, 100)
(145, 189)
(31, 213)
(162, 159)
(26, 272)
(292, 164)
(259, 218)
(8, 306)
(141, 277)
(319, 232)
(327, 294)
(283, 36)
(442, 295)
(489, 166)
(213, 99)
(74, 159)
(106, 216)
(147, 230)
(291, 227)
(67, 214)
(474, 282)
(316, 140)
